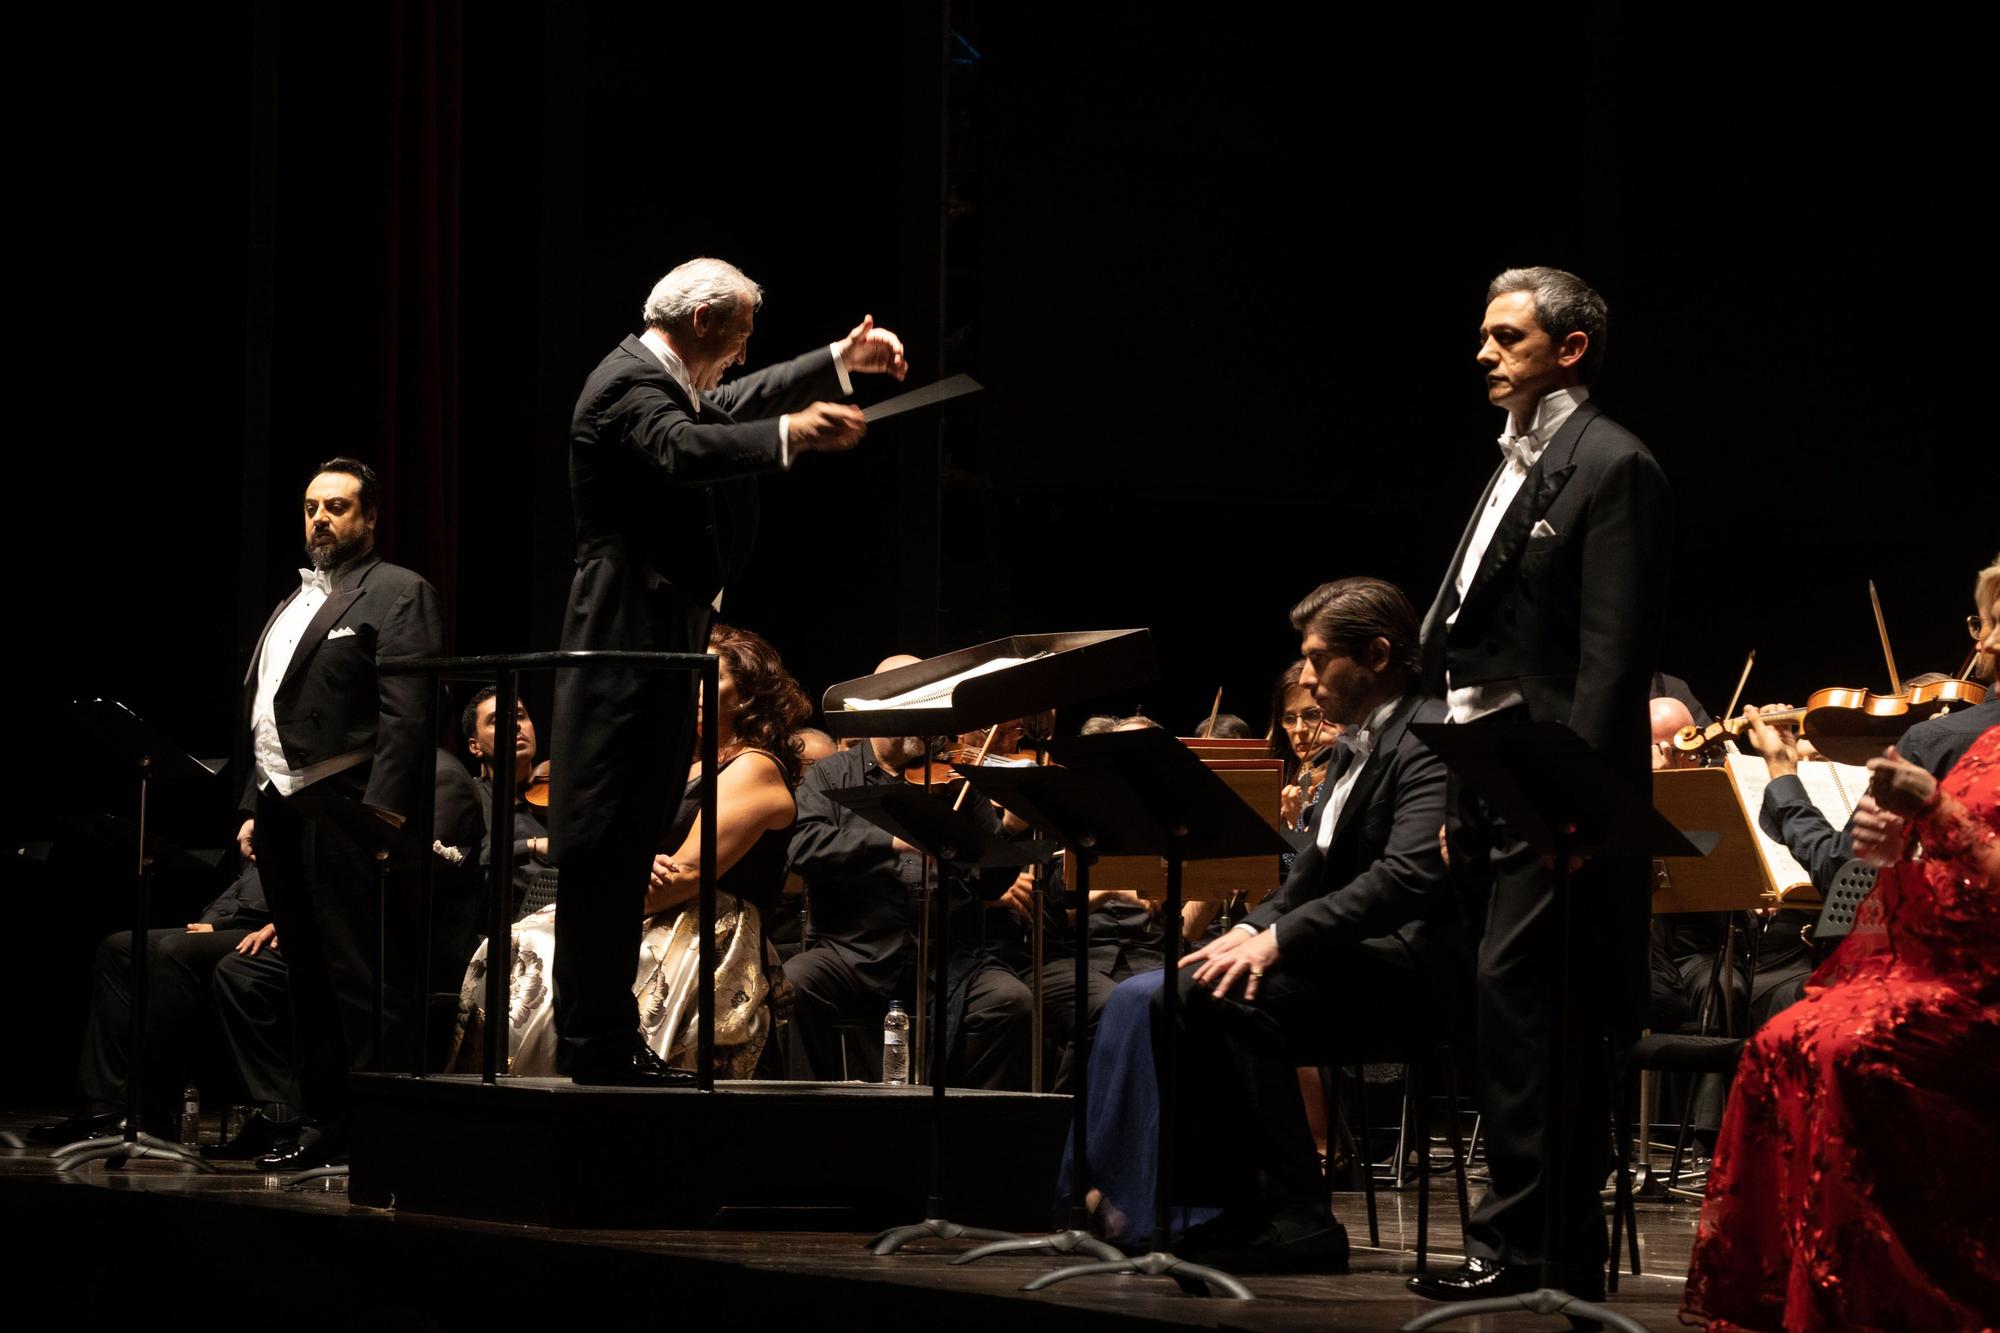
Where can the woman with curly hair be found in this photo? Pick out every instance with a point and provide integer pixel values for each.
(761, 708)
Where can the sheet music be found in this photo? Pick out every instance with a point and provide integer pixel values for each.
(938, 693)
(1747, 771)
(1834, 790)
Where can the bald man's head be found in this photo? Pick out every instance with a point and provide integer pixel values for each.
(899, 660)
(1669, 716)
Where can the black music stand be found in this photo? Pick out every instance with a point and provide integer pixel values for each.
(947, 837)
(126, 740)
(1051, 671)
(1564, 800)
(1180, 810)
(1091, 819)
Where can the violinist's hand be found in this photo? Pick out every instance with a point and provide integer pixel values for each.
(1900, 787)
(1238, 956)
(1778, 748)
(1291, 801)
(244, 843)
(1880, 838)
(1020, 897)
(825, 428)
(870, 349)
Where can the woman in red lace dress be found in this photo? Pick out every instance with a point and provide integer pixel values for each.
(1856, 1179)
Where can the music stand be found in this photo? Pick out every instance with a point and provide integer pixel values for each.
(1090, 819)
(1044, 671)
(1180, 810)
(947, 837)
(1563, 800)
(126, 740)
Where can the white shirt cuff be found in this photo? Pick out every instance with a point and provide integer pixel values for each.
(785, 440)
(1245, 925)
(846, 384)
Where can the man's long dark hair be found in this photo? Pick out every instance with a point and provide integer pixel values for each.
(1351, 613)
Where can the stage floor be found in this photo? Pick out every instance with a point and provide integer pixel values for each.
(215, 1248)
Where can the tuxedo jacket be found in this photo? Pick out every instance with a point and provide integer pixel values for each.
(331, 701)
(1382, 874)
(669, 494)
(1576, 612)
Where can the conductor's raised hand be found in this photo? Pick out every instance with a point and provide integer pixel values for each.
(825, 428)
(874, 350)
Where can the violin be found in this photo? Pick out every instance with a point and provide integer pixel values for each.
(1848, 725)
(536, 793)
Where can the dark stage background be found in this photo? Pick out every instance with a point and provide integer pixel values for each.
(1222, 282)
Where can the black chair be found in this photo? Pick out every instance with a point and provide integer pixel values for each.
(1413, 1127)
(1662, 1053)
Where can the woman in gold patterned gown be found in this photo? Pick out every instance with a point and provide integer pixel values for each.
(761, 708)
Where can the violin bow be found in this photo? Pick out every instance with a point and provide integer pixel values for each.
(984, 746)
(1741, 681)
(1882, 628)
(1214, 713)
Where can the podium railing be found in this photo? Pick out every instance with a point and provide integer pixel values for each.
(504, 670)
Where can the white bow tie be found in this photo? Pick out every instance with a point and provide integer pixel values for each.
(311, 579)
(1520, 450)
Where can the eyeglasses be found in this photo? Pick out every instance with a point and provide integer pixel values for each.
(1975, 625)
(1312, 717)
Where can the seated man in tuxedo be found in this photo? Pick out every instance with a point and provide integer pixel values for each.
(861, 951)
(181, 980)
(1359, 955)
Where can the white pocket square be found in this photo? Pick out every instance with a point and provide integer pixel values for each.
(344, 632)
(1541, 529)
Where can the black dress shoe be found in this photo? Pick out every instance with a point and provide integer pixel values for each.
(632, 1067)
(1476, 1279)
(317, 1145)
(79, 1127)
(259, 1136)
(1305, 1243)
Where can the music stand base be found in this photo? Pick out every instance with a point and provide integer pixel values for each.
(1543, 1300)
(932, 1228)
(117, 1152)
(297, 1179)
(1056, 1242)
(1194, 1279)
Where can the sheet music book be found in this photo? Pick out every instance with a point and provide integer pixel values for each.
(938, 693)
(1835, 789)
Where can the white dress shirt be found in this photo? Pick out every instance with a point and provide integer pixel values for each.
(274, 658)
(1521, 451)
(1359, 748)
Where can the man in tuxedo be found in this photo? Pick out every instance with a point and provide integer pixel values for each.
(336, 758)
(1359, 953)
(1553, 610)
(664, 460)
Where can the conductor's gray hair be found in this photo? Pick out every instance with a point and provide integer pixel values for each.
(699, 281)
(1564, 304)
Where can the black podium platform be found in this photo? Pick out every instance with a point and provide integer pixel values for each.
(544, 1151)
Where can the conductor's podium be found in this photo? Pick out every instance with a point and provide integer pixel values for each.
(546, 1152)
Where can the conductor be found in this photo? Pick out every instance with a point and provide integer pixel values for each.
(664, 460)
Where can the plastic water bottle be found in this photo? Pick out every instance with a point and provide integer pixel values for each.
(190, 1116)
(896, 1045)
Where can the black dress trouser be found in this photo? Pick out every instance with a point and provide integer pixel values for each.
(324, 894)
(180, 965)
